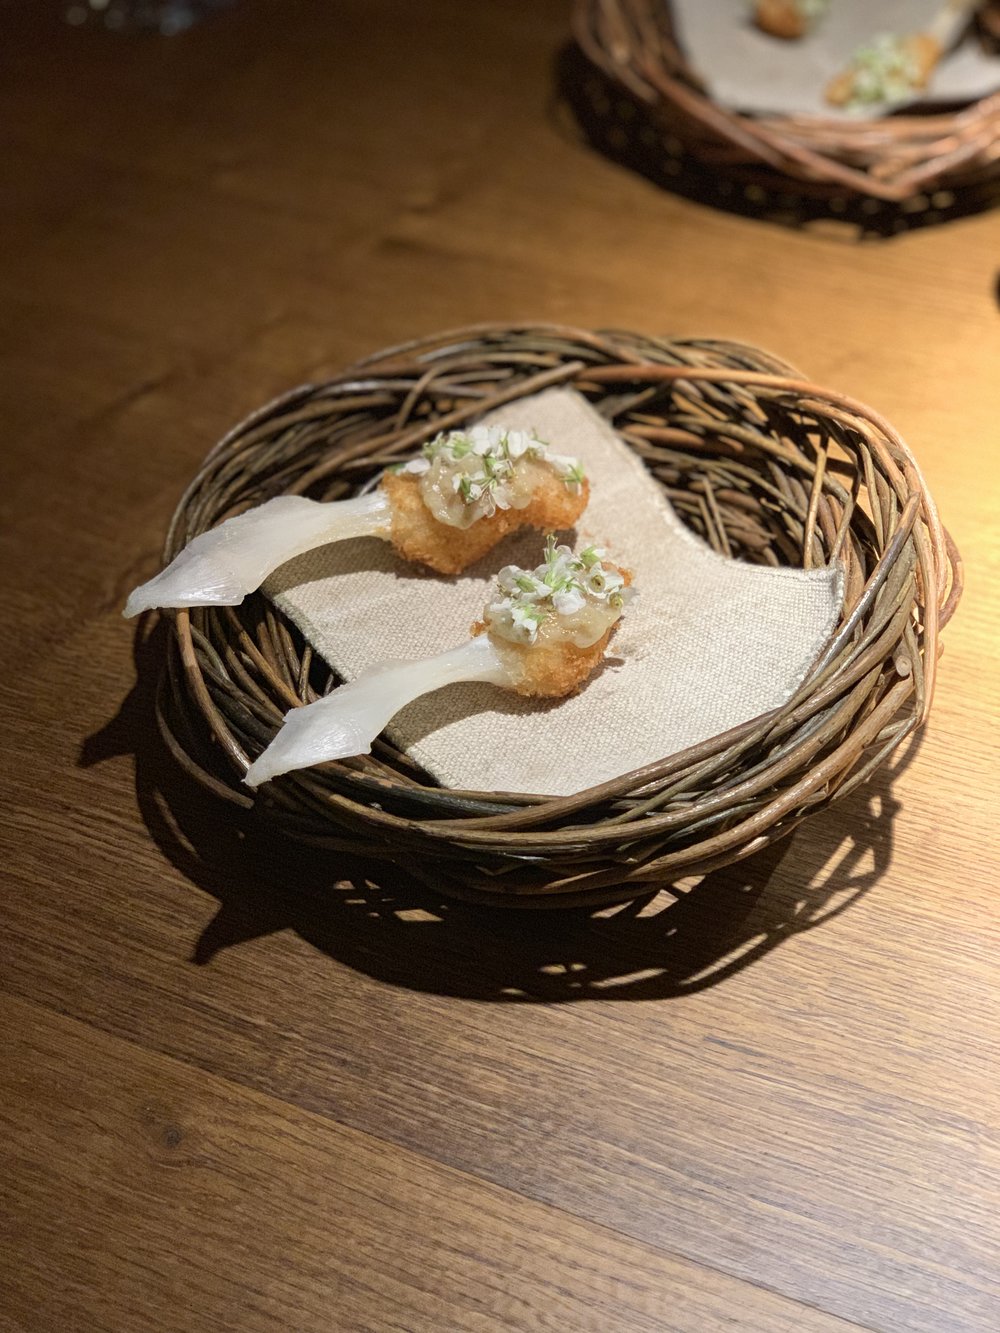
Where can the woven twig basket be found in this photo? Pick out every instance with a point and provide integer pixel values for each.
(764, 465)
(894, 158)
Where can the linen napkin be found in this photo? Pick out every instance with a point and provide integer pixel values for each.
(708, 643)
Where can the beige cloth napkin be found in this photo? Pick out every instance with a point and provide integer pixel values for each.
(708, 643)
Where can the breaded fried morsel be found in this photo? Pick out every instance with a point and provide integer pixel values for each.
(887, 70)
(788, 19)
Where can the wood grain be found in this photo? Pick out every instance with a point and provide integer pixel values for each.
(179, 1200)
(770, 1104)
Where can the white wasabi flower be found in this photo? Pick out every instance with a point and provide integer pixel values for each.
(517, 444)
(416, 467)
(569, 602)
(559, 563)
(483, 441)
(600, 582)
(592, 555)
(524, 623)
(530, 587)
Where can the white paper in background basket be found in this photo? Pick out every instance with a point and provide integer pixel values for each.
(746, 70)
(708, 643)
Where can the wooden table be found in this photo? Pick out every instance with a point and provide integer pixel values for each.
(241, 1094)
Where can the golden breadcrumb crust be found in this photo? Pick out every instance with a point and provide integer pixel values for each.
(548, 670)
(780, 18)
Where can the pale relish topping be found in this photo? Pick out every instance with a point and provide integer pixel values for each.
(468, 475)
(572, 597)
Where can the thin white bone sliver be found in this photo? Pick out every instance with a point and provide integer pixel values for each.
(219, 567)
(346, 721)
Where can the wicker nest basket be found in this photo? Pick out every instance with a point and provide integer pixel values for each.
(762, 464)
(897, 159)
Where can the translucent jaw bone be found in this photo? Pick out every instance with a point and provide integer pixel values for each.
(219, 567)
(347, 721)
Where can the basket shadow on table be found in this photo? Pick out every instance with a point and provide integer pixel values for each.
(590, 107)
(378, 920)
